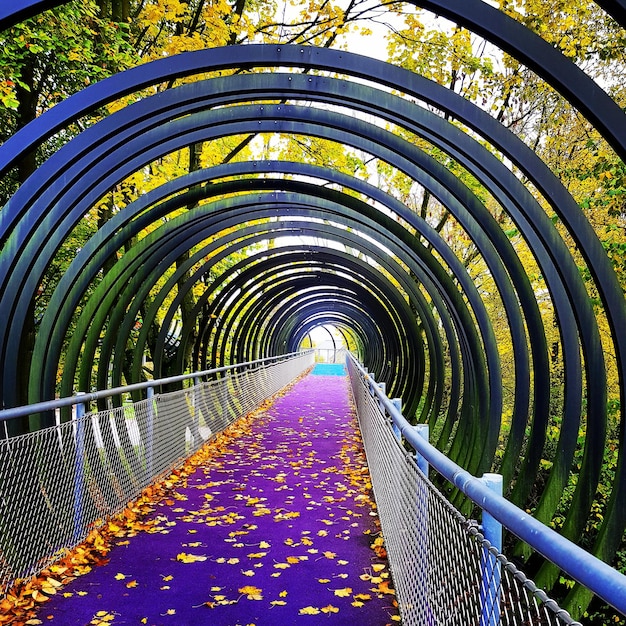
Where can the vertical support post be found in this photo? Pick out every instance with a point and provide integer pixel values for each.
(150, 429)
(195, 419)
(423, 432)
(79, 468)
(383, 388)
(397, 403)
(490, 568)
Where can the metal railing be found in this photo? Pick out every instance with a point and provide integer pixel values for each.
(448, 569)
(59, 483)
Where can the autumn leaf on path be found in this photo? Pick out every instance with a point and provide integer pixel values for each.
(384, 588)
(343, 593)
(183, 557)
(251, 593)
(309, 610)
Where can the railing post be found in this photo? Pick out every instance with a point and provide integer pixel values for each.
(150, 429)
(490, 567)
(383, 389)
(197, 403)
(423, 432)
(397, 402)
(79, 468)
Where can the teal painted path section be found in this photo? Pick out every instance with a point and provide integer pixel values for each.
(329, 369)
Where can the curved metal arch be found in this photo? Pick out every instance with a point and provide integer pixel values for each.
(101, 308)
(11, 14)
(492, 370)
(391, 313)
(109, 245)
(512, 439)
(451, 287)
(430, 122)
(278, 265)
(276, 229)
(277, 289)
(363, 329)
(317, 278)
(327, 297)
(433, 341)
(404, 338)
(346, 326)
(131, 290)
(348, 310)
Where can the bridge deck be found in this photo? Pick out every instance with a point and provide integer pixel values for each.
(276, 528)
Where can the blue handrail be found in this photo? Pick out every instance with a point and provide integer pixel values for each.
(599, 577)
(51, 405)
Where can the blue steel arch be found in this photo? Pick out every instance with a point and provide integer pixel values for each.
(596, 370)
(611, 296)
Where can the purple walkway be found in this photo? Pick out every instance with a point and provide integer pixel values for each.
(274, 531)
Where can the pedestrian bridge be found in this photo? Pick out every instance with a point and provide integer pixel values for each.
(273, 519)
(127, 343)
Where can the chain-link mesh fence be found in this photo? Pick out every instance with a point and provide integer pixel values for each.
(444, 571)
(59, 483)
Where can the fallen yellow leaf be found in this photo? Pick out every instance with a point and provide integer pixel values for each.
(343, 593)
(183, 557)
(362, 596)
(309, 610)
(251, 593)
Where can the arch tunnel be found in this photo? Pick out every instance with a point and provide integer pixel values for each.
(271, 248)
